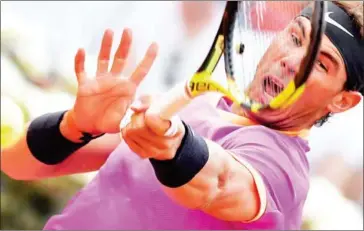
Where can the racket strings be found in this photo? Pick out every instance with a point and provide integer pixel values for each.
(251, 31)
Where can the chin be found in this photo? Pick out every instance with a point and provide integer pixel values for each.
(275, 119)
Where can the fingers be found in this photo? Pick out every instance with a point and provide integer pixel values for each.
(132, 132)
(104, 54)
(156, 124)
(80, 65)
(122, 52)
(144, 148)
(143, 141)
(135, 147)
(152, 120)
(120, 58)
(138, 125)
(144, 66)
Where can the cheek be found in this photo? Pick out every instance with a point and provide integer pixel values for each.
(277, 49)
(274, 50)
(271, 54)
(324, 83)
(320, 91)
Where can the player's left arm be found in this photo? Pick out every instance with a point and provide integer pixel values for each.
(196, 172)
(238, 179)
(224, 188)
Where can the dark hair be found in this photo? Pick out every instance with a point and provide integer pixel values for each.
(355, 10)
(323, 120)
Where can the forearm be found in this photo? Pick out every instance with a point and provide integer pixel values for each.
(208, 183)
(224, 188)
(18, 161)
(202, 175)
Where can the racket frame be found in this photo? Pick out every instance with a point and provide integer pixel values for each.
(201, 82)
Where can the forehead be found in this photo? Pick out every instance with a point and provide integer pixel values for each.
(328, 46)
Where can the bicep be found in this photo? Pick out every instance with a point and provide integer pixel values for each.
(258, 189)
(220, 189)
(238, 198)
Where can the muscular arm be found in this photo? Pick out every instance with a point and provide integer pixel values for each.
(250, 172)
(256, 174)
(224, 188)
(18, 162)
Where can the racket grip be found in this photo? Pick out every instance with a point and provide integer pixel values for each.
(171, 102)
(167, 106)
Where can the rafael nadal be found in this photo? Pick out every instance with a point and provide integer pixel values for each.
(223, 168)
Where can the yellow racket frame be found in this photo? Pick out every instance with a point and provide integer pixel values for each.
(201, 82)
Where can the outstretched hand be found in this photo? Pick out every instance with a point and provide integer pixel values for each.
(102, 101)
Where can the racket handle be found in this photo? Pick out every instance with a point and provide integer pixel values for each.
(171, 102)
(166, 107)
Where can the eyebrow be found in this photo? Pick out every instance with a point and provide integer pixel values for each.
(330, 57)
(301, 26)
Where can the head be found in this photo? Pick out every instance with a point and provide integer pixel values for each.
(336, 83)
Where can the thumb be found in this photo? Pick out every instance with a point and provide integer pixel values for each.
(156, 124)
(141, 104)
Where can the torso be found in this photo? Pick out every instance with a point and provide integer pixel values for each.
(125, 194)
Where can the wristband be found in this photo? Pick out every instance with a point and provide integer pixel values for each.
(190, 158)
(46, 142)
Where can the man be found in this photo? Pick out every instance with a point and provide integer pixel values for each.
(212, 174)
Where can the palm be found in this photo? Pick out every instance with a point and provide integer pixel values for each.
(102, 101)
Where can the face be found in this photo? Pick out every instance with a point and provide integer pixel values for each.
(324, 88)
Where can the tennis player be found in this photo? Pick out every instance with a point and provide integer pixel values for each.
(224, 168)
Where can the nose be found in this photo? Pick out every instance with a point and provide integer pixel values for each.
(290, 65)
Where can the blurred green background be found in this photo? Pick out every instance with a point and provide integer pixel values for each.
(28, 205)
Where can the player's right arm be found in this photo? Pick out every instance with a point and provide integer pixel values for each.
(52, 144)
(18, 162)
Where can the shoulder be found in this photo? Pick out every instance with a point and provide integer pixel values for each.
(262, 146)
(268, 151)
(201, 106)
(278, 164)
(258, 135)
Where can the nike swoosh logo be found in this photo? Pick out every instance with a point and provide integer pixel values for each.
(334, 23)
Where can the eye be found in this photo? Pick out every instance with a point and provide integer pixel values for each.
(296, 40)
(322, 66)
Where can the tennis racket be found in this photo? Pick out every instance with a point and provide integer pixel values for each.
(247, 36)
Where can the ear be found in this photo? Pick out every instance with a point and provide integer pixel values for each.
(344, 101)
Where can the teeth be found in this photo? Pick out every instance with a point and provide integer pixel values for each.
(271, 87)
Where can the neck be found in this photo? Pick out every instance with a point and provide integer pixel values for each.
(290, 123)
(246, 121)
(282, 124)
(279, 119)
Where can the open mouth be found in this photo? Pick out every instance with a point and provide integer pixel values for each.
(272, 86)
